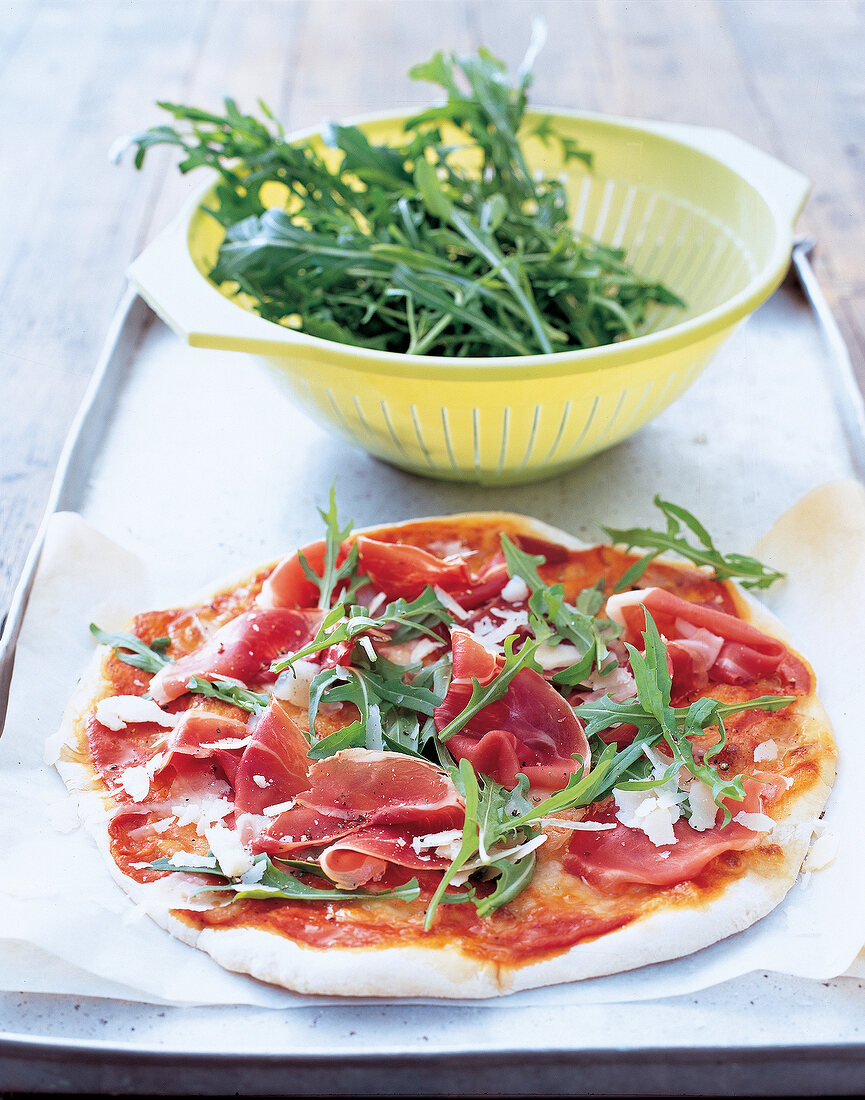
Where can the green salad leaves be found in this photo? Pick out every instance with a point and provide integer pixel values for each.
(443, 242)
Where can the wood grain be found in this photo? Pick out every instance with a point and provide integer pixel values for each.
(784, 74)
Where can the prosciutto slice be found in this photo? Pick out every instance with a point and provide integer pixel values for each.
(365, 856)
(205, 735)
(241, 650)
(274, 766)
(704, 645)
(613, 859)
(357, 795)
(531, 729)
(288, 585)
(402, 570)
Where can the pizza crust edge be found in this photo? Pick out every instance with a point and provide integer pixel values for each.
(420, 971)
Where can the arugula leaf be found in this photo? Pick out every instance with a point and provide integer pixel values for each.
(389, 708)
(511, 879)
(469, 842)
(344, 624)
(748, 571)
(133, 651)
(331, 574)
(657, 720)
(576, 624)
(496, 817)
(274, 883)
(229, 692)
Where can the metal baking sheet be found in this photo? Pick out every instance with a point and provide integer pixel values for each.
(775, 415)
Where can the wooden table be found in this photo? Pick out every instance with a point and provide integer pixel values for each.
(786, 75)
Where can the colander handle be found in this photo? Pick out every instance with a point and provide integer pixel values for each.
(783, 187)
(166, 277)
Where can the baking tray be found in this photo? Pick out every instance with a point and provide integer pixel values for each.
(210, 490)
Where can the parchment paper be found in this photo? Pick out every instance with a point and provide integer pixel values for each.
(66, 928)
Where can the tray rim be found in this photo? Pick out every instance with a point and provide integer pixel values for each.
(131, 320)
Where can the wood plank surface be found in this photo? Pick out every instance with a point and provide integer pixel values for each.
(787, 75)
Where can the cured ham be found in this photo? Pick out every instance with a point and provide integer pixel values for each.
(379, 787)
(618, 857)
(242, 649)
(199, 731)
(704, 645)
(274, 766)
(288, 585)
(202, 734)
(531, 729)
(614, 858)
(366, 855)
(401, 570)
(396, 796)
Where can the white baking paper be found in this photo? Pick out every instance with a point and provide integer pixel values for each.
(65, 927)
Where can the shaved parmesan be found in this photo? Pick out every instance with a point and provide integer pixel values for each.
(279, 808)
(203, 814)
(767, 750)
(446, 843)
(821, 853)
(136, 782)
(119, 711)
(620, 600)
(515, 591)
(192, 859)
(233, 858)
(618, 684)
(450, 604)
(293, 684)
(226, 743)
(704, 809)
(653, 812)
(498, 624)
(255, 874)
(758, 823)
(557, 656)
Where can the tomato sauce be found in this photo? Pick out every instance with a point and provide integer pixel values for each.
(542, 921)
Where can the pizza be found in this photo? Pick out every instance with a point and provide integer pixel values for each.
(455, 757)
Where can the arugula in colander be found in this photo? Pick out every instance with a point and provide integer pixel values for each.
(443, 243)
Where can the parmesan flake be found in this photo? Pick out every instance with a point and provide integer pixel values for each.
(119, 711)
(766, 750)
(136, 782)
(279, 807)
(757, 823)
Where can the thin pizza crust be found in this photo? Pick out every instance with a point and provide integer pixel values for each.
(665, 932)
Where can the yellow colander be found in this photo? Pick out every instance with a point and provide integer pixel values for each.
(698, 209)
